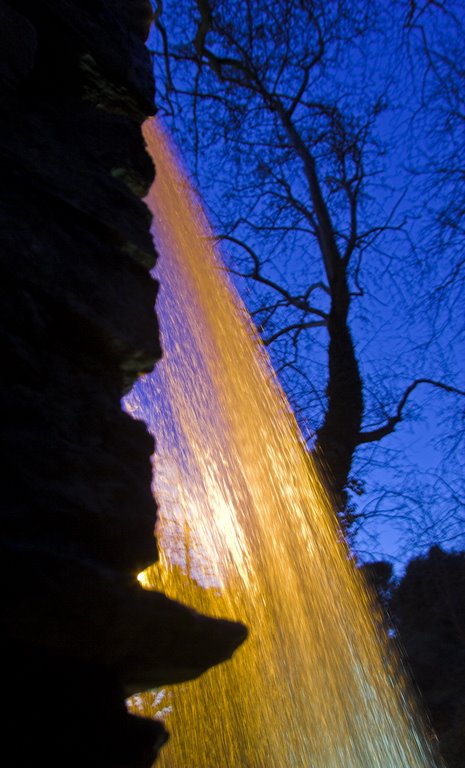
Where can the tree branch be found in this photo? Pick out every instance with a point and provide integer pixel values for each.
(255, 274)
(301, 326)
(386, 429)
(325, 231)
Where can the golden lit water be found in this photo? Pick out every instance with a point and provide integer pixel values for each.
(246, 531)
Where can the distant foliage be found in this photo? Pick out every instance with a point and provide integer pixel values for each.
(425, 610)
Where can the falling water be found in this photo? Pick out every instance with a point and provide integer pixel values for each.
(246, 531)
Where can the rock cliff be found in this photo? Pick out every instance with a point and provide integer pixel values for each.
(78, 327)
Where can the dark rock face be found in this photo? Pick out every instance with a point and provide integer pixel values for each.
(78, 327)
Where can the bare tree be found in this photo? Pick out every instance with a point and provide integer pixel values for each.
(283, 103)
(434, 34)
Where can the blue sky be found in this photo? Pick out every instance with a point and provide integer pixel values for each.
(401, 328)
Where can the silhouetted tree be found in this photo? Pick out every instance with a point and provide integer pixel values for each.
(428, 610)
(380, 576)
(283, 102)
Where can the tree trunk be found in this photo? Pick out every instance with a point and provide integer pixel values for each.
(337, 438)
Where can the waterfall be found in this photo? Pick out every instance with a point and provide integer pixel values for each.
(246, 531)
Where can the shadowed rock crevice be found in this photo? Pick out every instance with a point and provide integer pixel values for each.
(78, 327)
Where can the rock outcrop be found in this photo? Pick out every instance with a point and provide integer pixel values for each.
(78, 327)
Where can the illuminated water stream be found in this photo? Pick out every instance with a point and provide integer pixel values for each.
(246, 532)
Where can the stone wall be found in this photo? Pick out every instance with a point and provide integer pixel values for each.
(78, 326)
